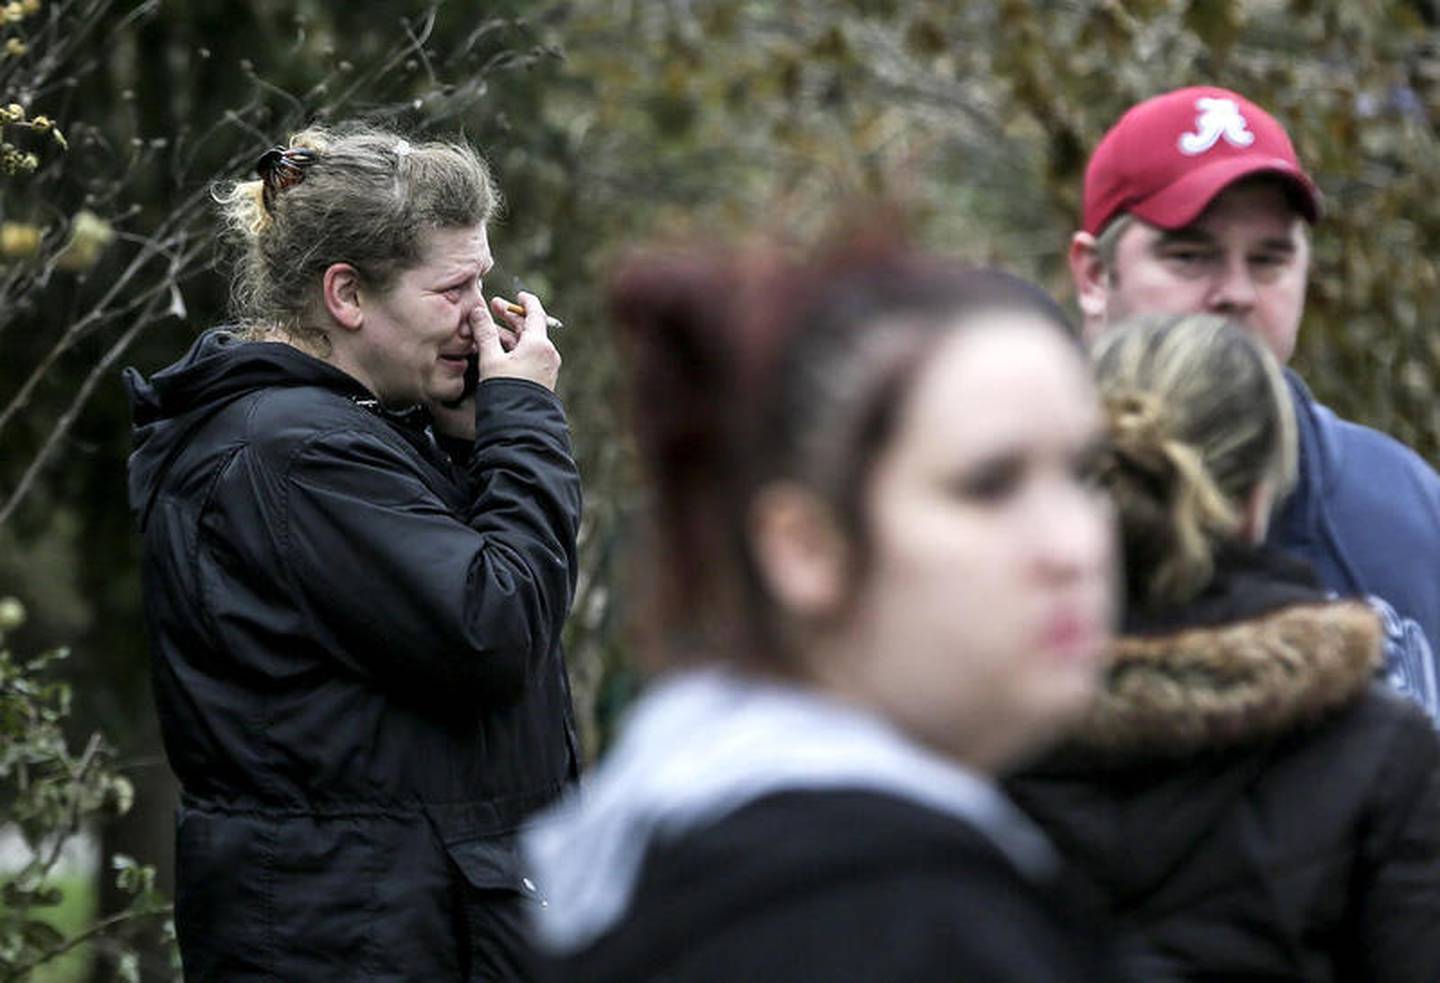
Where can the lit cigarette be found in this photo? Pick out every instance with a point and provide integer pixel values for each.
(550, 322)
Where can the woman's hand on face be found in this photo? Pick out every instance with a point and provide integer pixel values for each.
(515, 346)
(500, 355)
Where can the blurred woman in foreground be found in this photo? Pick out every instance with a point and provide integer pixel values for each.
(883, 573)
(1252, 803)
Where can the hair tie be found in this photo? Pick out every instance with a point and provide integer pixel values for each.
(280, 168)
(1137, 415)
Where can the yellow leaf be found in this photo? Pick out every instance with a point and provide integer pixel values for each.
(19, 240)
(89, 235)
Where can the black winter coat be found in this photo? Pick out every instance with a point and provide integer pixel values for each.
(841, 885)
(356, 656)
(1251, 803)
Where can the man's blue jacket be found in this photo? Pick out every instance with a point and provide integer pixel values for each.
(1365, 512)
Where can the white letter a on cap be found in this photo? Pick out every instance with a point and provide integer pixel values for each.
(1218, 118)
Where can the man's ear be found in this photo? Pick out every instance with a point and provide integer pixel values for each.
(1092, 281)
(803, 557)
(340, 289)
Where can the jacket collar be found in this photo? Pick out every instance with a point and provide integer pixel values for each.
(1248, 581)
(1297, 518)
(1262, 653)
(704, 743)
(221, 367)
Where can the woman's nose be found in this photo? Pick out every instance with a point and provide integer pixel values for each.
(1074, 537)
(474, 300)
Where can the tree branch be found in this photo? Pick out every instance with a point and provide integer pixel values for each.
(101, 927)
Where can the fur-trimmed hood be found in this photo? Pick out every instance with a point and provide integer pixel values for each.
(1217, 686)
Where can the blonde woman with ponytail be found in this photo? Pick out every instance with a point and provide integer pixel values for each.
(1249, 802)
(358, 514)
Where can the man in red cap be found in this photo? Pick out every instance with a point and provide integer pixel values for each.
(1195, 202)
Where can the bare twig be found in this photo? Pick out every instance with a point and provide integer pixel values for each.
(67, 419)
(170, 239)
(99, 314)
(395, 60)
(72, 824)
(417, 41)
(139, 293)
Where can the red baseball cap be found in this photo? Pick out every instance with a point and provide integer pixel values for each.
(1170, 155)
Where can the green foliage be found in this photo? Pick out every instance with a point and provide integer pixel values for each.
(51, 793)
(721, 113)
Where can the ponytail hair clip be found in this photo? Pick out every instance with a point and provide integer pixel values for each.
(280, 168)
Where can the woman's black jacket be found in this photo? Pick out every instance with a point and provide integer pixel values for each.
(1250, 802)
(835, 884)
(356, 656)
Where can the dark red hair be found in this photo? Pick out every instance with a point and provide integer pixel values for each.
(750, 366)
